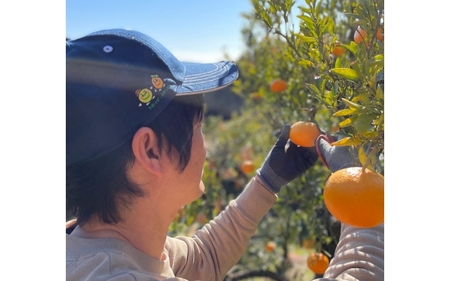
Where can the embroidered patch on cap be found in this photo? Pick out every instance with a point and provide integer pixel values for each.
(157, 89)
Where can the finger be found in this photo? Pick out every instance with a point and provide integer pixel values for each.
(322, 142)
(322, 147)
(310, 155)
(284, 136)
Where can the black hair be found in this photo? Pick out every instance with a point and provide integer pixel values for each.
(101, 186)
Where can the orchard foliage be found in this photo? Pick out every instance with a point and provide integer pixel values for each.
(343, 95)
(351, 86)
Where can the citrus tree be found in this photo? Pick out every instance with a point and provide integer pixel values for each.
(340, 44)
(302, 63)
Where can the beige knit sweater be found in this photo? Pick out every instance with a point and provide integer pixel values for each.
(216, 248)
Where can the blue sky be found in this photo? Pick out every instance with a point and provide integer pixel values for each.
(192, 30)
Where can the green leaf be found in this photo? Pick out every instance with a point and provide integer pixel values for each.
(264, 16)
(380, 120)
(364, 98)
(306, 63)
(336, 86)
(370, 134)
(351, 104)
(346, 73)
(344, 112)
(313, 88)
(348, 111)
(363, 122)
(379, 57)
(272, 8)
(329, 99)
(307, 39)
(318, 7)
(330, 26)
(380, 93)
(352, 47)
(347, 141)
(377, 63)
(304, 10)
(308, 21)
(347, 122)
(357, 68)
(288, 4)
(362, 155)
(363, 158)
(338, 63)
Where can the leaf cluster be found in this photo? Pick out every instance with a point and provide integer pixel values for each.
(351, 86)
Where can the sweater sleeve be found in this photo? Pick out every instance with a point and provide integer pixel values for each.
(359, 255)
(218, 246)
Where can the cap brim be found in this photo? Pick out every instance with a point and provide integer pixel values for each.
(202, 78)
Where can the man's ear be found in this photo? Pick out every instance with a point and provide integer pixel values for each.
(145, 150)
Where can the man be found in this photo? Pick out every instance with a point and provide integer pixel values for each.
(135, 154)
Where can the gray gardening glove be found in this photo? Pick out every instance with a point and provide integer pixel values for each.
(285, 163)
(336, 157)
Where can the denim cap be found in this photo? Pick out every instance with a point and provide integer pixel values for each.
(118, 81)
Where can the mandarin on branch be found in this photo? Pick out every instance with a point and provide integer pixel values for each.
(360, 35)
(270, 246)
(338, 49)
(247, 166)
(317, 262)
(380, 34)
(278, 85)
(304, 133)
(355, 197)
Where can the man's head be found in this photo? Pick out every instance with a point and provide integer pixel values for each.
(118, 81)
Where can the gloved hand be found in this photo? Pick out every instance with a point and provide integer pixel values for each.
(283, 165)
(336, 157)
